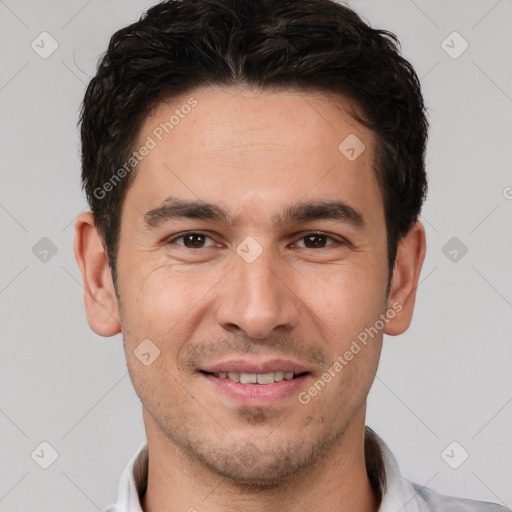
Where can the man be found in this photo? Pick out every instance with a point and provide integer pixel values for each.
(255, 171)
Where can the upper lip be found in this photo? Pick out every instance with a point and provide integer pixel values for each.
(252, 366)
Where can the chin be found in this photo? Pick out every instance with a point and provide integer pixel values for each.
(251, 467)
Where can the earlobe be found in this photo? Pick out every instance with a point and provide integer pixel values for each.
(408, 263)
(99, 295)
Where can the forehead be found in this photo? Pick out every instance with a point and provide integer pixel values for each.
(241, 147)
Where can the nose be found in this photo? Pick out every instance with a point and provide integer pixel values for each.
(256, 297)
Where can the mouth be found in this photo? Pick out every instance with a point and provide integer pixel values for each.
(262, 379)
(249, 384)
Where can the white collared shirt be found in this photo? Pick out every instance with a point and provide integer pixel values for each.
(398, 494)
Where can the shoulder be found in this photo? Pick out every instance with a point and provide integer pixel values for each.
(442, 503)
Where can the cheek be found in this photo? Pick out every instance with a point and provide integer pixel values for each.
(159, 310)
(337, 395)
(346, 299)
(164, 303)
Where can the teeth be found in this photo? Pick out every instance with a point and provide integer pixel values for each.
(253, 378)
(233, 376)
(264, 378)
(248, 378)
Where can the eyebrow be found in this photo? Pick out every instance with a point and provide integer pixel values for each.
(175, 208)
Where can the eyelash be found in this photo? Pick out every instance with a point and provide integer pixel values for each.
(310, 233)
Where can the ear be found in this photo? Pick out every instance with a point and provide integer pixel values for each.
(404, 282)
(99, 294)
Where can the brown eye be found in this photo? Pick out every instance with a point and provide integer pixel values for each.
(316, 241)
(192, 240)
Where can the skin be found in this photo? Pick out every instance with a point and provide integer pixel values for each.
(253, 153)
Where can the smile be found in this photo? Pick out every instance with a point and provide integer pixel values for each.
(256, 378)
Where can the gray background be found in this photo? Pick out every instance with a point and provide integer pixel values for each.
(447, 379)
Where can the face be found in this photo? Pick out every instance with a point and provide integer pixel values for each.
(250, 244)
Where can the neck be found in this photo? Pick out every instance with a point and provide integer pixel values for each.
(338, 480)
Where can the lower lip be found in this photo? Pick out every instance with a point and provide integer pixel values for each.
(258, 394)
